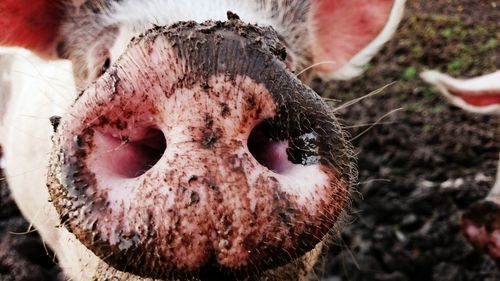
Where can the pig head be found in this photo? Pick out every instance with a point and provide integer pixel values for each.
(187, 147)
(481, 223)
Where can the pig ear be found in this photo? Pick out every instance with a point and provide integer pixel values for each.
(31, 24)
(479, 95)
(346, 34)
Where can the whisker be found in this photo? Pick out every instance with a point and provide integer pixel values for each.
(330, 99)
(22, 233)
(33, 117)
(373, 180)
(348, 249)
(53, 256)
(368, 124)
(371, 94)
(376, 122)
(24, 173)
(314, 65)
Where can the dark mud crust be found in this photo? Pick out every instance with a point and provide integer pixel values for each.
(405, 221)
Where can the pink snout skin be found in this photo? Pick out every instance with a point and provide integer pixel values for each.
(163, 169)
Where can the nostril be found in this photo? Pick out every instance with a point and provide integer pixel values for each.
(267, 151)
(128, 156)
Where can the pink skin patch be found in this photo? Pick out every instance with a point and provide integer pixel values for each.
(129, 158)
(478, 98)
(271, 154)
(342, 28)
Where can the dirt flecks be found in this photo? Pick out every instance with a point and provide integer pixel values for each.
(121, 124)
(55, 121)
(208, 120)
(251, 101)
(103, 120)
(210, 184)
(192, 179)
(234, 162)
(225, 110)
(232, 16)
(78, 140)
(125, 139)
(210, 137)
(195, 198)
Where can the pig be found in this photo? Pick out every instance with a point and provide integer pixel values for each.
(481, 222)
(183, 145)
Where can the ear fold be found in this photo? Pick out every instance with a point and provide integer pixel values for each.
(479, 95)
(346, 34)
(32, 24)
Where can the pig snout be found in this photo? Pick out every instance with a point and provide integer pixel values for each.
(199, 152)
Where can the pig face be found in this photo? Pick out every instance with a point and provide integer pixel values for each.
(197, 162)
(192, 151)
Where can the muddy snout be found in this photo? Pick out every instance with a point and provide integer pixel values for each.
(200, 152)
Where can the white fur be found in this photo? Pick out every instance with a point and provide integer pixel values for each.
(41, 89)
(444, 82)
(134, 17)
(142, 13)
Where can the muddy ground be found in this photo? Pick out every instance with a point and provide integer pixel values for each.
(428, 161)
(419, 168)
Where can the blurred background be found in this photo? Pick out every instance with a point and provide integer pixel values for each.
(422, 165)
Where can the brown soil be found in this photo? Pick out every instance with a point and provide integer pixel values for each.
(23, 256)
(426, 163)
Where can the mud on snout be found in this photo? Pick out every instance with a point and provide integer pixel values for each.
(199, 152)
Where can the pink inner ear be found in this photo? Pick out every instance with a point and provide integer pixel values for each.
(32, 24)
(342, 28)
(484, 98)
